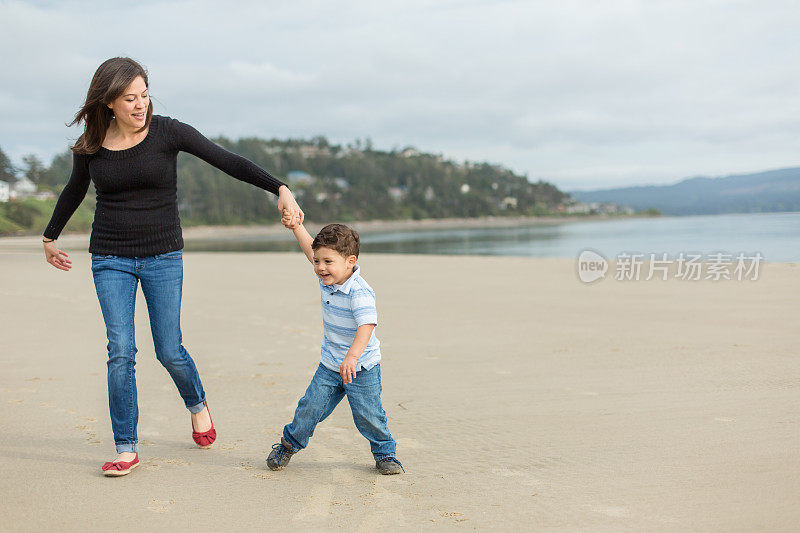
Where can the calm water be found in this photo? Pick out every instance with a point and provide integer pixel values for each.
(775, 235)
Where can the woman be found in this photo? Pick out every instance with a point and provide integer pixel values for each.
(130, 155)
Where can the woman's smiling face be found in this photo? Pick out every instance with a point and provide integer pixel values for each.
(130, 108)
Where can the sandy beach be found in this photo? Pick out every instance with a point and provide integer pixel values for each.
(521, 399)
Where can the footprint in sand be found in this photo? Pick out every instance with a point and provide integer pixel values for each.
(344, 505)
(150, 464)
(160, 506)
(458, 517)
(157, 462)
(245, 465)
(506, 472)
(91, 436)
(177, 462)
(89, 431)
(230, 445)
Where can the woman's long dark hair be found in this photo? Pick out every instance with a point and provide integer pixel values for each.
(109, 83)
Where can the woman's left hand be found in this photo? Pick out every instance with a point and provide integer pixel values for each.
(289, 208)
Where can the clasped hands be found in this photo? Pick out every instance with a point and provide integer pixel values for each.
(291, 214)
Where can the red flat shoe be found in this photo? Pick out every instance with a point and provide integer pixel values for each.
(206, 438)
(120, 468)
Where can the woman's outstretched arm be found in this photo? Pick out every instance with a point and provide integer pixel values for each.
(188, 139)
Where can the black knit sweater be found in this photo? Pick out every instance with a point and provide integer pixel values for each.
(137, 208)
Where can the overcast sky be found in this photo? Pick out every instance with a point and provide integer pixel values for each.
(582, 94)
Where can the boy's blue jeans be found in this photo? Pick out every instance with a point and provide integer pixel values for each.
(325, 392)
(116, 279)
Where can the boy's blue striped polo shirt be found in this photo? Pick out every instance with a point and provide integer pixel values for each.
(345, 307)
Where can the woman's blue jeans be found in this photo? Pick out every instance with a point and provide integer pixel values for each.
(325, 392)
(116, 279)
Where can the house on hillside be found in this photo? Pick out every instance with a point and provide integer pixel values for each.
(272, 150)
(509, 202)
(44, 195)
(5, 191)
(348, 151)
(577, 208)
(398, 193)
(22, 188)
(312, 150)
(342, 183)
(573, 207)
(296, 177)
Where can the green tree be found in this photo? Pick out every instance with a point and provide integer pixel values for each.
(7, 170)
(33, 168)
(56, 175)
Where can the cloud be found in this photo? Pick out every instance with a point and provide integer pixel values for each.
(585, 94)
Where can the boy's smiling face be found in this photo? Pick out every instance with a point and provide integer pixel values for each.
(332, 267)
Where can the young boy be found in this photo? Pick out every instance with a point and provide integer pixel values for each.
(350, 355)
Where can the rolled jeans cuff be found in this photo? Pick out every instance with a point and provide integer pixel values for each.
(197, 408)
(130, 447)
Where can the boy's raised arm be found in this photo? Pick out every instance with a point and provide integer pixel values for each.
(305, 239)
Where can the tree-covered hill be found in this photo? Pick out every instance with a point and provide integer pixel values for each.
(358, 183)
(332, 182)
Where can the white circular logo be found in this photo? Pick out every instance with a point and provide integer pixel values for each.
(591, 266)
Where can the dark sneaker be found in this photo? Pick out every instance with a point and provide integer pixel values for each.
(280, 455)
(389, 466)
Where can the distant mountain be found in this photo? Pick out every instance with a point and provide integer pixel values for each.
(771, 191)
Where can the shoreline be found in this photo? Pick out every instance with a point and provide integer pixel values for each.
(373, 226)
(367, 226)
(274, 238)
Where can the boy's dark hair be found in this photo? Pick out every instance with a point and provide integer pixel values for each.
(338, 237)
